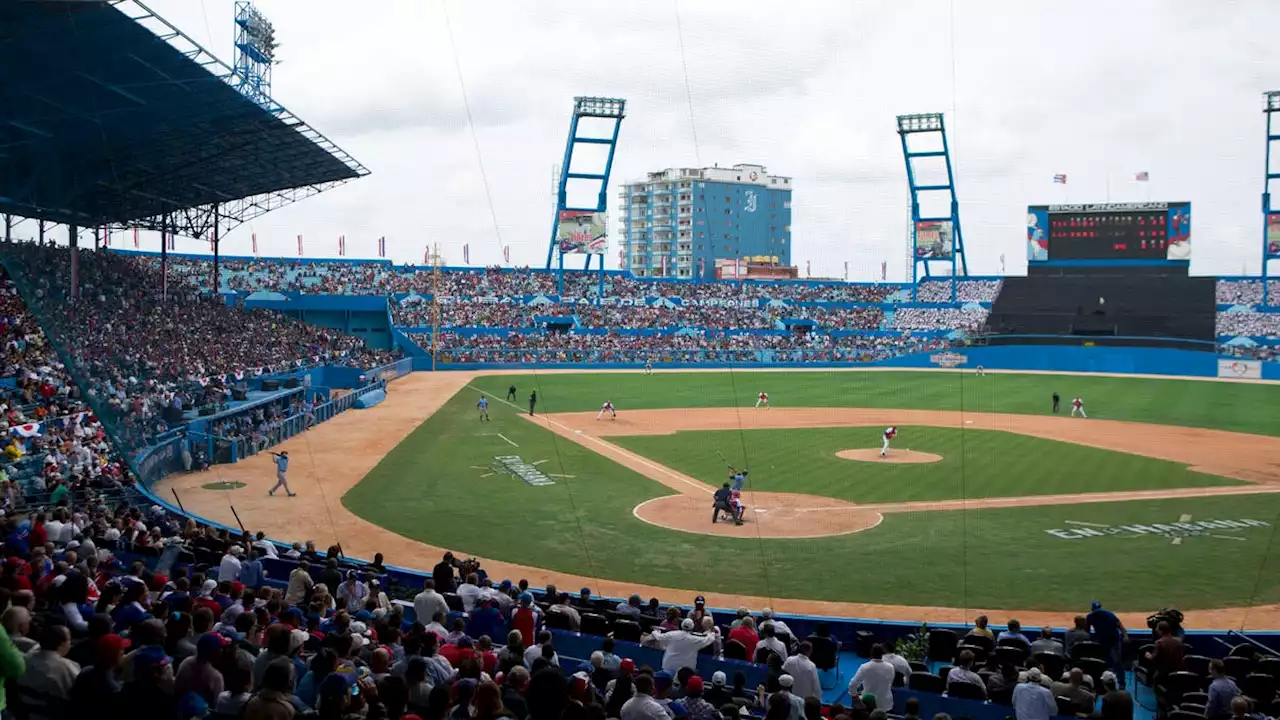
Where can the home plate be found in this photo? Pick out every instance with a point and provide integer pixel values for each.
(577, 432)
(968, 422)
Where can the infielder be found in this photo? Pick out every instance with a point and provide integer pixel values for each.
(648, 366)
(981, 372)
(1077, 406)
(483, 407)
(607, 407)
(889, 433)
(762, 398)
(282, 466)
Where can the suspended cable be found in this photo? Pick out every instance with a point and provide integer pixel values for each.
(688, 91)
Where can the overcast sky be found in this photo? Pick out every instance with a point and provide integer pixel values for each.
(1094, 89)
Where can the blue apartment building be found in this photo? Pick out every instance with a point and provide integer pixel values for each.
(684, 222)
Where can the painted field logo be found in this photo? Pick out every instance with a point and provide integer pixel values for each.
(515, 466)
(1175, 531)
(948, 359)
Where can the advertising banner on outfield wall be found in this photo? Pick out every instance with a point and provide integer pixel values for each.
(1242, 369)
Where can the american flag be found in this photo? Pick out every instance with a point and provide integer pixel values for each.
(466, 254)
(1060, 179)
(1143, 176)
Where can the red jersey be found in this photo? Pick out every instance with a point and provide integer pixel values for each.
(1077, 403)
(763, 396)
(890, 432)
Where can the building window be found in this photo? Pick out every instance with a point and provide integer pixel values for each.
(726, 211)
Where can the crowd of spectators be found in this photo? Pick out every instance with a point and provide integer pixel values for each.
(141, 345)
(473, 315)
(613, 347)
(938, 319)
(1252, 324)
(939, 291)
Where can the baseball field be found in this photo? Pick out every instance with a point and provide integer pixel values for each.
(1165, 495)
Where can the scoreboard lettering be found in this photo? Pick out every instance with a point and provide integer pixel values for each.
(1110, 231)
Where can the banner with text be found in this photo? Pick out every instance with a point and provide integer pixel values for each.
(582, 231)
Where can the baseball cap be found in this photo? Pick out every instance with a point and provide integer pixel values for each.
(584, 591)
(686, 624)
(193, 706)
(786, 681)
(1097, 605)
(719, 678)
(662, 678)
(209, 642)
(364, 616)
(109, 643)
(505, 584)
(1033, 675)
(627, 665)
(700, 600)
(337, 683)
(526, 598)
(694, 684)
(150, 656)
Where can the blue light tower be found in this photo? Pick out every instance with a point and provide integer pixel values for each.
(1270, 215)
(255, 52)
(945, 244)
(612, 109)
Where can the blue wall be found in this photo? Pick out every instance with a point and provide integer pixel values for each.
(726, 210)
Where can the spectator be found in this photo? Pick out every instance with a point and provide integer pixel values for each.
(1047, 644)
(963, 673)
(786, 685)
(874, 677)
(1031, 699)
(642, 706)
(1221, 690)
(229, 568)
(1074, 689)
(1107, 630)
(1014, 635)
(1078, 632)
(49, 675)
(680, 647)
(274, 701)
(1168, 654)
(980, 628)
(251, 573)
(803, 672)
(199, 673)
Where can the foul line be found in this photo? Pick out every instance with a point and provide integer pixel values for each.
(573, 435)
(504, 437)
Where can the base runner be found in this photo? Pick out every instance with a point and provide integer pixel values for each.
(607, 407)
(889, 433)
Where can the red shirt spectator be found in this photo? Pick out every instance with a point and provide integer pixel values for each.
(746, 634)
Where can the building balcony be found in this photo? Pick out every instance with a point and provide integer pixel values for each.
(662, 222)
(685, 200)
(684, 247)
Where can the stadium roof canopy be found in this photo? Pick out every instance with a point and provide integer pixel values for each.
(111, 116)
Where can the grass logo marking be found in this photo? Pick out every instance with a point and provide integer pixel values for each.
(1176, 532)
(516, 467)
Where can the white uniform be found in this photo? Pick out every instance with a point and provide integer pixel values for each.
(981, 371)
(607, 408)
(648, 367)
(762, 399)
(889, 433)
(1077, 406)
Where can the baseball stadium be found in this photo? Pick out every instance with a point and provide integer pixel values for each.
(700, 483)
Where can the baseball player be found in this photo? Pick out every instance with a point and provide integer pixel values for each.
(607, 407)
(738, 478)
(762, 399)
(483, 407)
(981, 372)
(648, 366)
(735, 502)
(1077, 406)
(889, 433)
(282, 466)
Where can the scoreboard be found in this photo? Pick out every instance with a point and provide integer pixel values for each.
(1109, 231)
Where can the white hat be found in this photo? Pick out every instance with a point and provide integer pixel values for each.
(767, 612)
(686, 624)
(236, 550)
(786, 681)
(719, 678)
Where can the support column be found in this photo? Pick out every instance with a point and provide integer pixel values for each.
(216, 242)
(40, 231)
(8, 227)
(97, 238)
(164, 257)
(72, 234)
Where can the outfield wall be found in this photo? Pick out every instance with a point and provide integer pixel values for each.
(1045, 358)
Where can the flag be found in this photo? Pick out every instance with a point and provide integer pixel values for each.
(664, 265)
(299, 246)
(29, 430)
(884, 270)
(173, 241)
(255, 243)
(382, 246)
(506, 254)
(1143, 176)
(737, 268)
(808, 268)
(106, 236)
(135, 238)
(1060, 179)
(426, 256)
(342, 245)
(211, 247)
(702, 267)
(466, 253)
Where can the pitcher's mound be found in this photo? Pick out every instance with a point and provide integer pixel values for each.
(894, 456)
(769, 515)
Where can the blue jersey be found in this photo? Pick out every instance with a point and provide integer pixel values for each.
(282, 464)
(483, 404)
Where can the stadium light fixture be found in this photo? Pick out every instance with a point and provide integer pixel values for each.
(1271, 101)
(921, 122)
(599, 107)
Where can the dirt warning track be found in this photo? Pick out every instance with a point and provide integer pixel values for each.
(333, 457)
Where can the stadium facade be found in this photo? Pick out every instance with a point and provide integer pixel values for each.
(680, 222)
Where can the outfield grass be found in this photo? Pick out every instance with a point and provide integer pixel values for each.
(1239, 407)
(427, 489)
(975, 463)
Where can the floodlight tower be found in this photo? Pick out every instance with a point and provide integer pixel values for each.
(927, 125)
(1270, 215)
(610, 109)
(255, 52)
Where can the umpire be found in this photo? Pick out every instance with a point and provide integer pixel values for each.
(533, 400)
(721, 502)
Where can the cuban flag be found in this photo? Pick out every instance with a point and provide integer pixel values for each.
(239, 375)
(30, 430)
(1060, 179)
(1143, 176)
